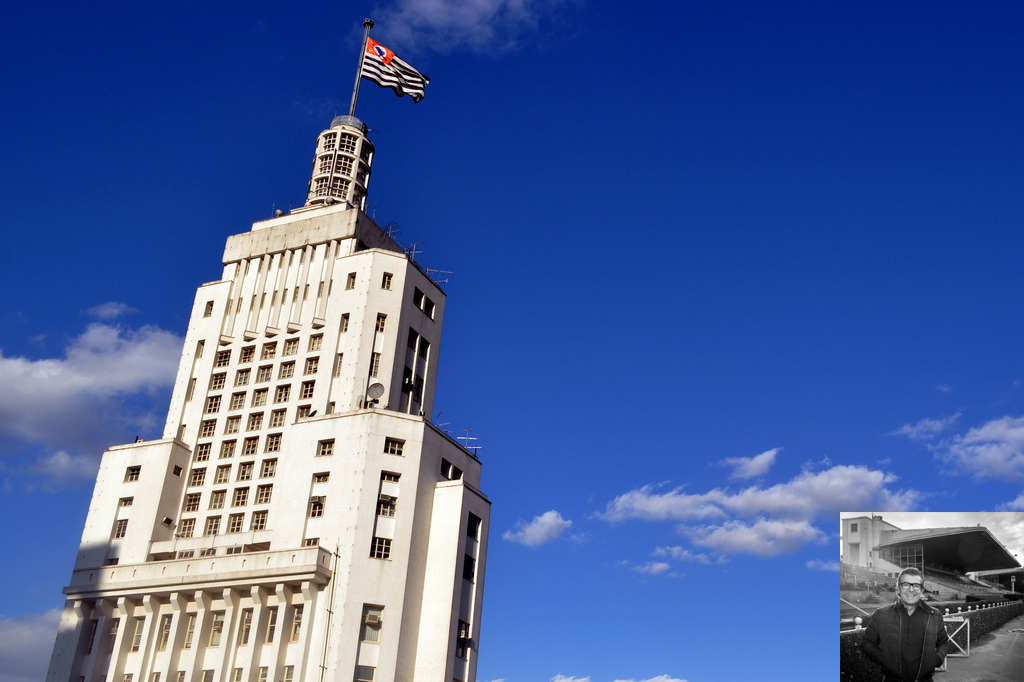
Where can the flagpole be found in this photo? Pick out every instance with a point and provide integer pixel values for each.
(367, 25)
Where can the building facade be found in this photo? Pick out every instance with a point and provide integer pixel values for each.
(301, 518)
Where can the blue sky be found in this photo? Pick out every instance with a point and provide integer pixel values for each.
(720, 272)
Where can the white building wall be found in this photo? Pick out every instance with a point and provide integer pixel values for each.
(328, 447)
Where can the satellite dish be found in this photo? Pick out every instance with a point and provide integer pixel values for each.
(375, 390)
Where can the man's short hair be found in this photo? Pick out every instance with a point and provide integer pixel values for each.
(909, 571)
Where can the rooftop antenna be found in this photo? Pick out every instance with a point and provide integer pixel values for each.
(440, 425)
(411, 251)
(391, 229)
(432, 271)
(468, 438)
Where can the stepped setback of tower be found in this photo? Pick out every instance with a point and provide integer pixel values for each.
(301, 519)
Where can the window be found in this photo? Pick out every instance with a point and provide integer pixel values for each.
(120, 528)
(186, 527)
(259, 397)
(232, 424)
(269, 468)
(289, 672)
(240, 497)
(212, 525)
(307, 390)
(223, 474)
(291, 346)
(259, 520)
(393, 446)
(281, 393)
(236, 675)
(176, 470)
(263, 673)
(217, 499)
(473, 527)
(273, 442)
(322, 477)
(125, 502)
(350, 282)
(311, 542)
(165, 632)
(242, 377)
(202, 452)
(277, 418)
(316, 507)
(296, 623)
(380, 549)
(264, 373)
(302, 412)
(344, 323)
(255, 421)
(287, 370)
(191, 502)
(132, 473)
(374, 364)
(263, 493)
(185, 554)
(853, 527)
(364, 673)
(237, 549)
(463, 642)
(245, 471)
(190, 628)
(235, 523)
(208, 551)
(386, 507)
(468, 568)
(381, 322)
(450, 471)
(212, 405)
(191, 389)
(223, 358)
(385, 282)
(337, 365)
(217, 381)
(216, 629)
(269, 351)
(128, 676)
(208, 428)
(199, 348)
(250, 446)
(208, 674)
(271, 627)
(114, 624)
(325, 448)
(315, 342)
(389, 477)
(372, 618)
(227, 449)
(196, 477)
(311, 365)
(248, 352)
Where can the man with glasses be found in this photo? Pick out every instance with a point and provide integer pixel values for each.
(907, 638)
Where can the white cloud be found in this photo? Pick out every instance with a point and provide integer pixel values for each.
(25, 645)
(1015, 505)
(659, 678)
(680, 554)
(810, 493)
(751, 467)
(944, 388)
(78, 404)
(764, 537)
(563, 678)
(445, 25)
(110, 310)
(823, 565)
(544, 528)
(652, 568)
(993, 450)
(926, 428)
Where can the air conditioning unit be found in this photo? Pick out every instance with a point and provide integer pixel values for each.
(386, 498)
(317, 498)
(371, 619)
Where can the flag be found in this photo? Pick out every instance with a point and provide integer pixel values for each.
(386, 69)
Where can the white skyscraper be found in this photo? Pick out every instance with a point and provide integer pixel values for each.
(301, 518)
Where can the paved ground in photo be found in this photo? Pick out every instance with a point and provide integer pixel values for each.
(996, 657)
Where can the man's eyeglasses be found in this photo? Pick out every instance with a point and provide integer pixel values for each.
(912, 586)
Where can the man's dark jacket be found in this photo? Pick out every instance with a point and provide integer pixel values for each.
(881, 642)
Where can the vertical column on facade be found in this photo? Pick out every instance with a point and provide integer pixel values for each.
(302, 281)
(232, 272)
(91, 669)
(71, 627)
(227, 635)
(201, 632)
(125, 611)
(147, 647)
(274, 288)
(309, 601)
(178, 605)
(280, 599)
(326, 273)
(247, 657)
